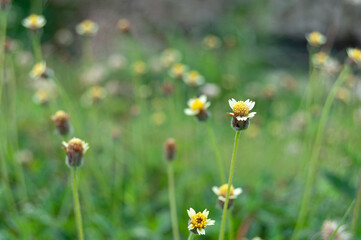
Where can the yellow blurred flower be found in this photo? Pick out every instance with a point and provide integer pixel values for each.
(41, 97)
(38, 71)
(211, 42)
(178, 70)
(355, 55)
(169, 57)
(193, 78)
(316, 39)
(139, 67)
(124, 25)
(87, 28)
(34, 22)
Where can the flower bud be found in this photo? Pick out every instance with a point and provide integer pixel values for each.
(170, 149)
(61, 120)
(75, 150)
(239, 125)
(124, 25)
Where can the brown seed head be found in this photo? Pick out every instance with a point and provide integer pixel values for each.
(170, 149)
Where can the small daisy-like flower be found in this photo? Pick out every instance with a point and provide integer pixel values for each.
(97, 93)
(355, 55)
(198, 107)
(124, 25)
(316, 39)
(41, 97)
(211, 42)
(169, 57)
(178, 70)
(139, 67)
(87, 28)
(241, 113)
(320, 59)
(199, 221)
(193, 78)
(221, 192)
(329, 227)
(61, 120)
(75, 150)
(39, 71)
(34, 22)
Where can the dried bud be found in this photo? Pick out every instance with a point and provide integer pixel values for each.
(240, 125)
(75, 150)
(170, 149)
(61, 120)
(124, 25)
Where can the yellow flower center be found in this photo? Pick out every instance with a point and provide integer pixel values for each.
(193, 76)
(39, 69)
(97, 92)
(223, 190)
(42, 95)
(241, 109)
(199, 220)
(88, 26)
(356, 54)
(33, 19)
(315, 38)
(178, 69)
(197, 104)
(320, 58)
(76, 144)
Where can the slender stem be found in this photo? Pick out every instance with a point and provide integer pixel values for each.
(172, 202)
(77, 210)
(343, 219)
(231, 170)
(87, 51)
(35, 37)
(191, 236)
(216, 151)
(356, 210)
(315, 152)
(230, 226)
(3, 18)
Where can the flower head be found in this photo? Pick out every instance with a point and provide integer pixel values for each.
(39, 71)
(178, 70)
(211, 42)
(124, 25)
(61, 120)
(320, 59)
(329, 227)
(199, 221)
(87, 28)
(221, 192)
(34, 22)
(355, 55)
(139, 67)
(193, 78)
(41, 97)
(169, 57)
(75, 150)
(316, 39)
(241, 113)
(170, 149)
(198, 107)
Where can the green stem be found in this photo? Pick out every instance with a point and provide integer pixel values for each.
(3, 18)
(231, 170)
(315, 152)
(36, 46)
(87, 51)
(77, 211)
(342, 220)
(191, 236)
(218, 155)
(172, 202)
(356, 210)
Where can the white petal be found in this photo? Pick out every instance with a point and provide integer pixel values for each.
(210, 222)
(237, 191)
(190, 112)
(239, 118)
(251, 115)
(201, 231)
(215, 190)
(190, 227)
(65, 144)
(231, 102)
(205, 212)
(203, 98)
(251, 105)
(191, 212)
(190, 102)
(207, 105)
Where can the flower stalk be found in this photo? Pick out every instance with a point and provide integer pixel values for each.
(191, 236)
(231, 170)
(356, 210)
(77, 210)
(312, 170)
(172, 202)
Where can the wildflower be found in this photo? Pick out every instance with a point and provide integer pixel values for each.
(199, 221)
(94, 75)
(343, 94)
(39, 71)
(329, 227)
(355, 55)
(41, 97)
(124, 25)
(97, 93)
(256, 238)
(75, 150)
(139, 67)
(61, 120)
(170, 149)
(211, 42)
(169, 57)
(178, 70)
(4, 4)
(241, 113)
(221, 192)
(193, 78)
(320, 59)
(316, 39)
(87, 28)
(198, 107)
(34, 22)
